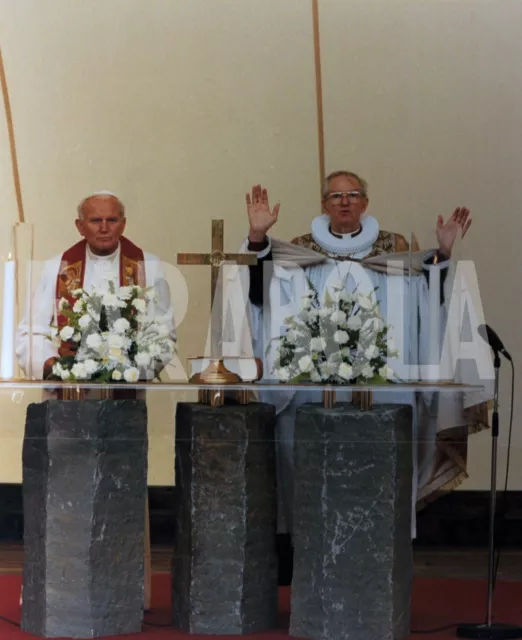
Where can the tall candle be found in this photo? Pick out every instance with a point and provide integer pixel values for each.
(434, 315)
(8, 319)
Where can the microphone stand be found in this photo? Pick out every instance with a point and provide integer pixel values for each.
(491, 630)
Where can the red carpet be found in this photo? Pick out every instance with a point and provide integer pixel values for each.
(435, 603)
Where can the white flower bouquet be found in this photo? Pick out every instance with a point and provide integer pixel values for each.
(341, 340)
(110, 336)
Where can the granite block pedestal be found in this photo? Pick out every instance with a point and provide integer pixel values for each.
(352, 522)
(224, 570)
(84, 489)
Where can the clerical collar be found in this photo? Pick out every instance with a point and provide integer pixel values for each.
(109, 258)
(348, 243)
(352, 234)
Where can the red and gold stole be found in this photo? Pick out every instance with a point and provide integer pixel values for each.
(72, 271)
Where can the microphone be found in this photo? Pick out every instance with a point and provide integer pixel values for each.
(489, 336)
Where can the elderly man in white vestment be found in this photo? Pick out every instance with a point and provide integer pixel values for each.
(104, 255)
(340, 238)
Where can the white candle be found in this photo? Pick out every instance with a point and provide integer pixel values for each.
(434, 311)
(8, 319)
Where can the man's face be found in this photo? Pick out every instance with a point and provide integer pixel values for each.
(102, 224)
(345, 203)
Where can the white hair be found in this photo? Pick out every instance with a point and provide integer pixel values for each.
(348, 174)
(103, 194)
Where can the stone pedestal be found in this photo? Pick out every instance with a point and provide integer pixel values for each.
(352, 523)
(224, 570)
(84, 489)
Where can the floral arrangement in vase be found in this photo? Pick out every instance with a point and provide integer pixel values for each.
(341, 339)
(111, 336)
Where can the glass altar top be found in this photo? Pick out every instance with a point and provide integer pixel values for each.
(419, 386)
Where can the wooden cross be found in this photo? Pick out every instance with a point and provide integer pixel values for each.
(216, 259)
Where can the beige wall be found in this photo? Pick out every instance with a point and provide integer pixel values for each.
(181, 106)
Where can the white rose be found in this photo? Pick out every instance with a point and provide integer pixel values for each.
(94, 341)
(142, 359)
(338, 316)
(386, 372)
(335, 357)
(365, 303)
(345, 371)
(315, 376)
(116, 375)
(91, 366)
(282, 374)
(84, 321)
(57, 368)
(303, 315)
(66, 333)
(131, 375)
(328, 369)
(77, 337)
(78, 306)
(306, 364)
(115, 341)
(65, 374)
(63, 304)
(354, 322)
(124, 293)
(341, 337)
(367, 372)
(121, 325)
(139, 305)
(117, 355)
(77, 293)
(291, 336)
(371, 352)
(110, 300)
(318, 344)
(79, 371)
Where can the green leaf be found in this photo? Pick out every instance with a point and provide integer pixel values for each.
(302, 377)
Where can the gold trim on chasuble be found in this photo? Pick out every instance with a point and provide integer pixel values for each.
(132, 273)
(69, 279)
(387, 242)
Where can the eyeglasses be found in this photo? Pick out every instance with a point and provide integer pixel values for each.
(336, 197)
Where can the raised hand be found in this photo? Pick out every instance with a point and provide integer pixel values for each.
(447, 232)
(260, 216)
